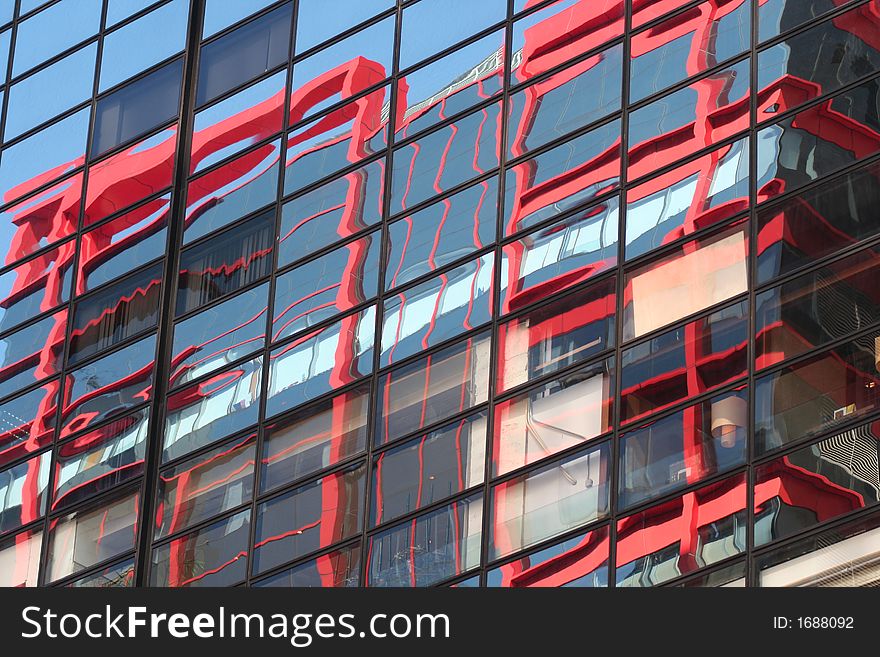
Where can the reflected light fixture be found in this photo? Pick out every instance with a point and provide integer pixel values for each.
(729, 417)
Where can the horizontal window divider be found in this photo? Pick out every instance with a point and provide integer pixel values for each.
(140, 13)
(31, 387)
(123, 146)
(61, 442)
(320, 326)
(329, 248)
(403, 288)
(119, 491)
(397, 144)
(220, 300)
(46, 124)
(451, 582)
(231, 226)
(251, 148)
(240, 435)
(202, 378)
(433, 349)
(554, 460)
(430, 428)
(34, 525)
(336, 106)
(350, 168)
(262, 77)
(103, 287)
(70, 367)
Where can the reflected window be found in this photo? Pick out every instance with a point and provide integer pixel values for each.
(120, 575)
(23, 489)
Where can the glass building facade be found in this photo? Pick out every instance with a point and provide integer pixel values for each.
(502, 293)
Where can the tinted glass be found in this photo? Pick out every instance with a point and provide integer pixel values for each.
(313, 26)
(340, 568)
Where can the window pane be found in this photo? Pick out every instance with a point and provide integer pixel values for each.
(649, 10)
(684, 362)
(580, 562)
(796, 70)
(445, 158)
(561, 31)
(698, 194)
(556, 416)
(220, 335)
(816, 308)
(328, 285)
(309, 518)
(332, 212)
(119, 10)
(818, 393)
(109, 385)
(319, 362)
(32, 354)
(550, 500)
(662, 55)
(20, 559)
(225, 263)
(436, 546)
(778, 16)
(53, 151)
(569, 330)
(215, 555)
(101, 459)
(437, 310)
(432, 389)
(314, 25)
(682, 535)
(558, 180)
(28, 422)
(52, 31)
(684, 448)
(697, 275)
(818, 222)
(328, 144)
(50, 91)
(316, 438)
(87, 537)
(817, 483)
(238, 122)
(120, 575)
(231, 191)
(137, 108)
(206, 486)
(452, 84)
(23, 492)
(244, 53)
(115, 313)
(555, 258)
(699, 115)
(212, 409)
(35, 286)
(429, 468)
(829, 136)
(220, 14)
(143, 43)
(342, 70)
(337, 569)
(566, 101)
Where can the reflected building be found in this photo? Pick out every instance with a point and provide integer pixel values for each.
(515, 294)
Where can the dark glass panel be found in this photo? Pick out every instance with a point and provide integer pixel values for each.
(554, 417)
(550, 500)
(215, 555)
(778, 16)
(315, 438)
(432, 389)
(442, 233)
(664, 54)
(697, 275)
(429, 468)
(814, 395)
(580, 562)
(27, 422)
(685, 361)
(817, 308)
(332, 212)
(570, 99)
(552, 259)
(437, 310)
(337, 569)
(319, 362)
(562, 178)
(569, 330)
(109, 385)
(682, 535)
(115, 313)
(326, 286)
(219, 335)
(309, 518)
(100, 459)
(693, 196)
(445, 158)
(205, 486)
(212, 409)
(684, 448)
(23, 492)
(225, 263)
(817, 483)
(137, 108)
(89, 536)
(220, 14)
(32, 354)
(426, 550)
(231, 191)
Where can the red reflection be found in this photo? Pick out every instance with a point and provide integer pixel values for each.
(588, 556)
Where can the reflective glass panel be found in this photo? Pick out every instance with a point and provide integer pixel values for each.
(20, 559)
(23, 492)
(337, 569)
(27, 422)
(52, 31)
(313, 26)
(31, 354)
(119, 575)
(35, 286)
(220, 14)
(778, 16)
